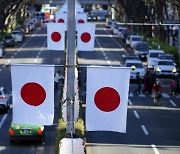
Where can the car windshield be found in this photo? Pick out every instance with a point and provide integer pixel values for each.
(136, 39)
(8, 37)
(137, 65)
(154, 55)
(142, 47)
(166, 57)
(165, 63)
(15, 33)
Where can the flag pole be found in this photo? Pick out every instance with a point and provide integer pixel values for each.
(70, 61)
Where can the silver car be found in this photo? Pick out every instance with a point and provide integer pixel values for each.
(4, 100)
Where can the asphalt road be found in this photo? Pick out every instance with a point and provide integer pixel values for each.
(150, 129)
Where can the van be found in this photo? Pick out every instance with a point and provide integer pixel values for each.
(153, 57)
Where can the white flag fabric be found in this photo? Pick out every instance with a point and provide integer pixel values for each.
(107, 98)
(56, 36)
(61, 17)
(81, 17)
(85, 39)
(33, 94)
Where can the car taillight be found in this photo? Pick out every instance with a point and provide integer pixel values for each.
(11, 131)
(3, 97)
(40, 132)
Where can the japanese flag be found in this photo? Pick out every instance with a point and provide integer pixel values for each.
(106, 98)
(81, 17)
(86, 33)
(61, 17)
(56, 36)
(33, 94)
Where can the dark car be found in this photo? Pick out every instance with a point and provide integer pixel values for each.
(124, 34)
(92, 17)
(141, 49)
(9, 40)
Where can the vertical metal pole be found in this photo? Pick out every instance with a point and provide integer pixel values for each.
(70, 60)
(179, 45)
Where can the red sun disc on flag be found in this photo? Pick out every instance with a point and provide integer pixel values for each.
(80, 21)
(107, 99)
(61, 21)
(33, 94)
(56, 36)
(85, 37)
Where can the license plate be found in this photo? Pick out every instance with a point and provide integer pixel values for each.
(26, 130)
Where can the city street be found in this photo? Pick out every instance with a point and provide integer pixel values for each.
(150, 129)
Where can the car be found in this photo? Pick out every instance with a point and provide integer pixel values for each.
(2, 49)
(129, 57)
(4, 100)
(165, 68)
(141, 49)
(92, 17)
(124, 34)
(116, 28)
(167, 57)
(133, 39)
(136, 67)
(26, 132)
(120, 29)
(65, 146)
(18, 35)
(101, 18)
(109, 22)
(9, 40)
(153, 56)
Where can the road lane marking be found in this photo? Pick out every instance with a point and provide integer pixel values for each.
(136, 114)
(173, 103)
(3, 119)
(144, 130)
(129, 102)
(155, 149)
(165, 95)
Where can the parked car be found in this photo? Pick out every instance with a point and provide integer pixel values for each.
(4, 100)
(9, 40)
(137, 67)
(124, 34)
(141, 49)
(109, 23)
(153, 57)
(133, 39)
(165, 68)
(120, 29)
(18, 35)
(26, 132)
(2, 49)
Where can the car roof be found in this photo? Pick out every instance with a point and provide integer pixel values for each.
(133, 61)
(135, 36)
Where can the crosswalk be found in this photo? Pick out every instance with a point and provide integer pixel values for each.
(164, 95)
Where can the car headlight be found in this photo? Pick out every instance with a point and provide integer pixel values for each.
(174, 70)
(158, 69)
(133, 67)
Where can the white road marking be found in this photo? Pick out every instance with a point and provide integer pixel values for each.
(131, 94)
(129, 102)
(144, 130)
(165, 95)
(3, 119)
(155, 149)
(173, 103)
(136, 114)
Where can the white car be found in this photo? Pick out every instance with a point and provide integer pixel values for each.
(18, 35)
(135, 39)
(116, 28)
(65, 146)
(165, 68)
(120, 29)
(137, 67)
(153, 57)
(4, 97)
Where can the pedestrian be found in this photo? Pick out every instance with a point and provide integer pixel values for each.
(146, 82)
(173, 87)
(157, 89)
(138, 81)
(152, 79)
(56, 80)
